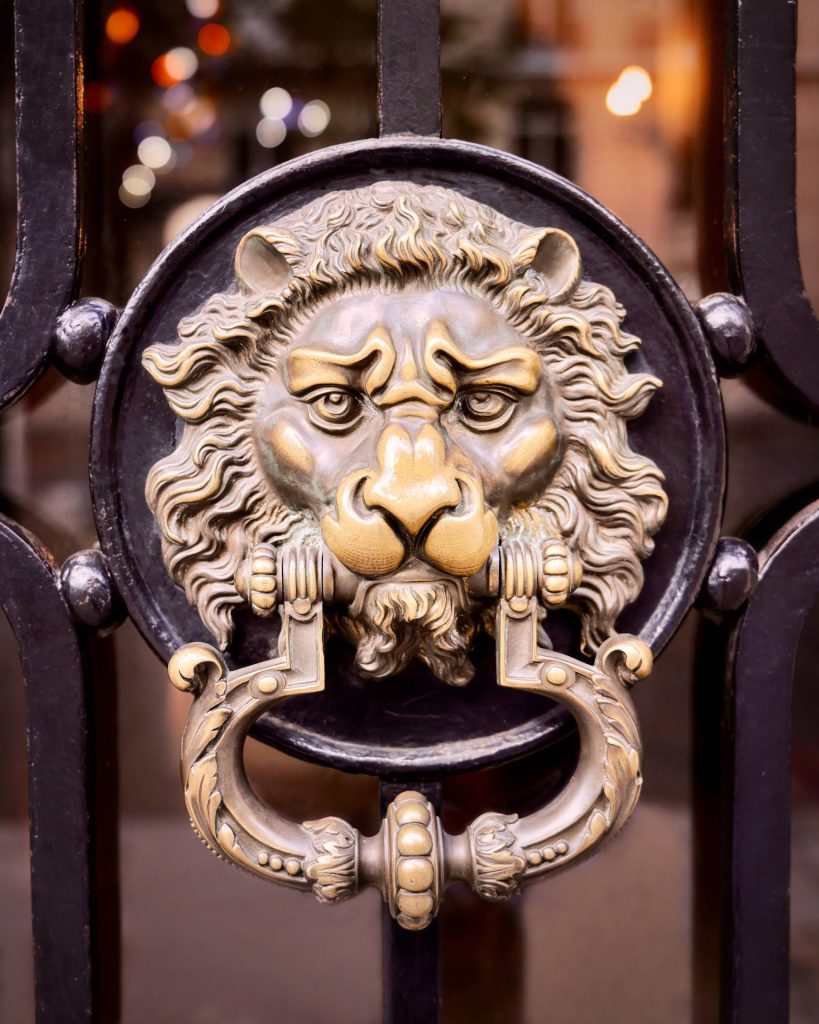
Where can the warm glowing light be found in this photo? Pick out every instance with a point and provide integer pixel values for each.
(138, 179)
(121, 25)
(271, 132)
(314, 118)
(194, 119)
(160, 73)
(97, 97)
(276, 103)
(213, 39)
(155, 152)
(638, 80)
(174, 67)
(203, 8)
(134, 192)
(632, 88)
(181, 63)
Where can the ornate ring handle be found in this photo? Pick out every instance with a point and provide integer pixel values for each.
(411, 859)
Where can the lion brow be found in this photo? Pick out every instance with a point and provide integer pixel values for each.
(309, 368)
(517, 366)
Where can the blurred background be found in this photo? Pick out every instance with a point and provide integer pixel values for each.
(186, 99)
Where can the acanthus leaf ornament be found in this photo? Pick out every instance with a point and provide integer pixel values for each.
(409, 412)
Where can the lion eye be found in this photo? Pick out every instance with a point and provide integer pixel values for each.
(335, 410)
(485, 409)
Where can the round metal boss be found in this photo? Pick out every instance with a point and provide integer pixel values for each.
(411, 724)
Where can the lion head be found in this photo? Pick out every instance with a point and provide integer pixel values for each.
(406, 376)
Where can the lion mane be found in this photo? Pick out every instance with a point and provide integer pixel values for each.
(211, 496)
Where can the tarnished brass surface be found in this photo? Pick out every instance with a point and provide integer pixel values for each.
(411, 411)
(411, 859)
(407, 376)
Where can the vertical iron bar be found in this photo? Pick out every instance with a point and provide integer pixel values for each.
(409, 67)
(757, 729)
(60, 780)
(48, 66)
(412, 960)
(760, 194)
(104, 810)
(707, 782)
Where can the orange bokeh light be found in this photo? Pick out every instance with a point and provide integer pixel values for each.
(214, 39)
(162, 74)
(122, 25)
(96, 97)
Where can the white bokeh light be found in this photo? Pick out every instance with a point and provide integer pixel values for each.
(314, 118)
(138, 179)
(627, 95)
(132, 195)
(203, 8)
(271, 132)
(181, 63)
(155, 152)
(276, 103)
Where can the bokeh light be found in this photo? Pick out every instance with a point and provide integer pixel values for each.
(138, 177)
(155, 152)
(271, 132)
(174, 67)
(314, 118)
(193, 118)
(632, 88)
(203, 8)
(276, 103)
(97, 97)
(213, 39)
(181, 62)
(122, 25)
(160, 73)
(137, 184)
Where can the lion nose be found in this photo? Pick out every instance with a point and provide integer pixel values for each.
(418, 497)
(416, 482)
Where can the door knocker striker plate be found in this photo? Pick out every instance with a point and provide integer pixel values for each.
(409, 723)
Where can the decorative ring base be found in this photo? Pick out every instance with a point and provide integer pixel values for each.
(412, 859)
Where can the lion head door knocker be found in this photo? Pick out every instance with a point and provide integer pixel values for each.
(404, 423)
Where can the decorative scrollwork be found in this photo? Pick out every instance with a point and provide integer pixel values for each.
(412, 437)
(411, 859)
(498, 861)
(432, 454)
(333, 867)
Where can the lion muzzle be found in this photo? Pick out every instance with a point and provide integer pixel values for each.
(420, 499)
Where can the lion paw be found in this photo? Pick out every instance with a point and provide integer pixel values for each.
(256, 579)
(561, 573)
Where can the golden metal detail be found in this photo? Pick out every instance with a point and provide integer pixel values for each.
(411, 409)
(411, 859)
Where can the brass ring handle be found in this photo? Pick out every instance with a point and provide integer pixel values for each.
(411, 859)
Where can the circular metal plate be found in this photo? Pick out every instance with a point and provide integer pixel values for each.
(412, 724)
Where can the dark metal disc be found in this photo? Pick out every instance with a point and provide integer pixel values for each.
(412, 724)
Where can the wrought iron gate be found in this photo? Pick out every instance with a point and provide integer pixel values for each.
(761, 325)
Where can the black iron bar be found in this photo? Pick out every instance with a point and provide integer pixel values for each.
(757, 793)
(760, 193)
(48, 63)
(409, 67)
(60, 788)
(412, 960)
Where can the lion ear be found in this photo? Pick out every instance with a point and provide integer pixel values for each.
(554, 254)
(260, 264)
